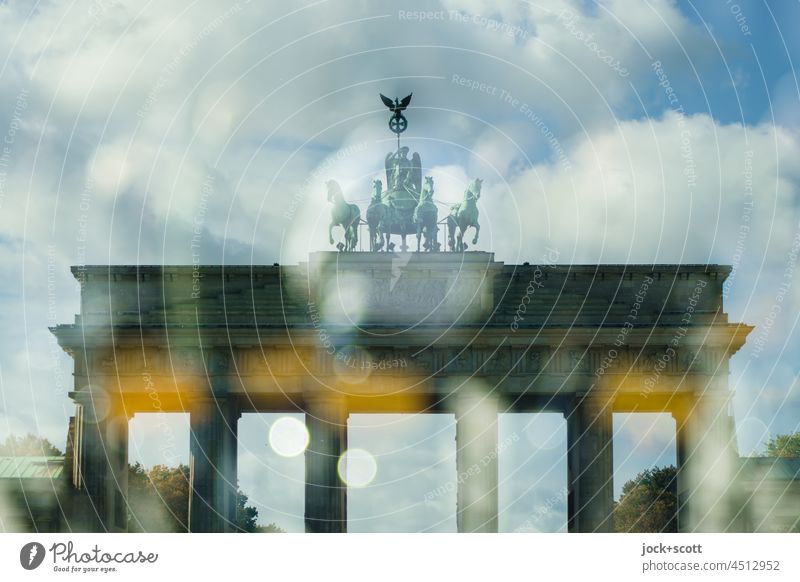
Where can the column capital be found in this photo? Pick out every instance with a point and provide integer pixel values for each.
(219, 361)
(324, 396)
(325, 404)
(699, 404)
(229, 405)
(101, 406)
(596, 400)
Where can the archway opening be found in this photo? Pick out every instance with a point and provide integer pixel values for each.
(158, 475)
(271, 469)
(644, 472)
(532, 452)
(412, 488)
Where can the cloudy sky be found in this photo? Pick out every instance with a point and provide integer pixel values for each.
(622, 131)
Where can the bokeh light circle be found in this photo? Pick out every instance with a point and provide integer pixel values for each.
(288, 437)
(357, 468)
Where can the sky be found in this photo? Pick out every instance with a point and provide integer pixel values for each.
(616, 132)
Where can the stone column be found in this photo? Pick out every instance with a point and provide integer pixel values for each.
(706, 464)
(326, 493)
(213, 464)
(117, 483)
(101, 463)
(476, 462)
(590, 465)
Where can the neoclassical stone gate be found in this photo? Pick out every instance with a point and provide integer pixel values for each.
(456, 333)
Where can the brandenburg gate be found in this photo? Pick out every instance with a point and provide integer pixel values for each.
(478, 338)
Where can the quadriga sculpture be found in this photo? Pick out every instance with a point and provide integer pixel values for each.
(377, 217)
(343, 214)
(462, 216)
(426, 216)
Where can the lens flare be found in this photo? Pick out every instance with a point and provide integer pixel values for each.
(352, 364)
(357, 468)
(288, 437)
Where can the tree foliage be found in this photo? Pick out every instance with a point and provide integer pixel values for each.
(28, 446)
(246, 516)
(159, 501)
(649, 502)
(784, 445)
(269, 528)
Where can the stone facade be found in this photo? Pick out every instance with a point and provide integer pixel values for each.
(382, 332)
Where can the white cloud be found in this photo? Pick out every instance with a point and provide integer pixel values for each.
(130, 108)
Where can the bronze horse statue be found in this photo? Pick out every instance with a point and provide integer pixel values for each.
(343, 214)
(462, 216)
(426, 215)
(377, 217)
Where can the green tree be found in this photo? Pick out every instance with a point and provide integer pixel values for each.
(270, 528)
(28, 446)
(246, 516)
(159, 501)
(784, 445)
(649, 502)
(158, 498)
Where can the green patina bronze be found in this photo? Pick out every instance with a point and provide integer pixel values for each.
(426, 217)
(405, 207)
(464, 215)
